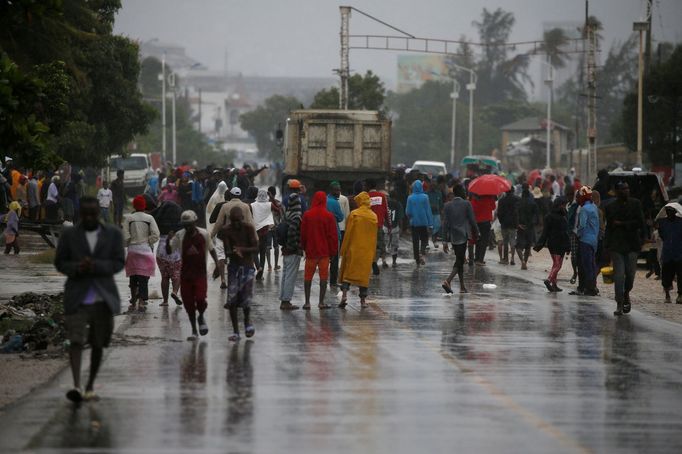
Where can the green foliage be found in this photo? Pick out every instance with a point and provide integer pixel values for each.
(22, 134)
(552, 42)
(364, 93)
(500, 77)
(88, 96)
(662, 112)
(263, 121)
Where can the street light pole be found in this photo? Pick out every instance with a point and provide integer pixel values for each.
(471, 86)
(640, 27)
(454, 95)
(172, 84)
(163, 106)
(550, 82)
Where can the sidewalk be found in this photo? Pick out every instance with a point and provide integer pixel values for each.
(647, 294)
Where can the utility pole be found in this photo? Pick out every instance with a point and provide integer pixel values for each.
(454, 95)
(591, 73)
(549, 81)
(471, 86)
(641, 27)
(172, 85)
(199, 128)
(163, 107)
(344, 71)
(647, 54)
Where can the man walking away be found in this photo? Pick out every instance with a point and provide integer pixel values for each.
(508, 215)
(289, 237)
(104, 196)
(396, 215)
(119, 197)
(624, 233)
(459, 223)
(33, 198)
(334, 207)
(588, 238)
(483, 207)
(555, 237)
(320, 241)
(89, 254)
(194, 243)
(435, 195)
(670, 231)
(379, 205)
(525, 235)
(241, 244)
(418, 211)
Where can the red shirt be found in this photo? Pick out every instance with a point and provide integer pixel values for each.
(319, 233)
(483, 208)
(379, 204)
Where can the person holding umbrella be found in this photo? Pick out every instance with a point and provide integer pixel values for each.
(485, 190)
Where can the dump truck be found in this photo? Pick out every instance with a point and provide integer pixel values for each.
(321, 146)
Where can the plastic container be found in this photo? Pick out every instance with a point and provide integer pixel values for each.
(607, 275)
(489, 286)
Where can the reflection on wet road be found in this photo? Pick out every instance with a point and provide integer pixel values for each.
(506, 370)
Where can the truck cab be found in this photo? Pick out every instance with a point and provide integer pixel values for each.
(136, 167)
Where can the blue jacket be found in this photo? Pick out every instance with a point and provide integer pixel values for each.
(418, 207)
(334, 207)
(588, 225)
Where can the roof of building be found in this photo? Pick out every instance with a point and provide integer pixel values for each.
(531, 124)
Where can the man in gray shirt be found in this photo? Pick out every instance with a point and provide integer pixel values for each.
(33, 198)
(459, 224)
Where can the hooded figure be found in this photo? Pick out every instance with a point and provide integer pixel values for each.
(418, 207)
(359, 244)
(217, 197)
(264, 222)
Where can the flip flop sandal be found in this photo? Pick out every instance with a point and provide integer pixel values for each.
(164, 304)
(250, 331)
(131, 308)
(75, 396)
(324, 306)
(306, 307)
(90, 396)
(192, 338)
(626, 308)
(177, 300)
(234, 337)
(343, 304)
(203, 329)
(288, 307)
(447, 288)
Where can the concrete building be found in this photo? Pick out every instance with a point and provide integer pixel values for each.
(536, 128)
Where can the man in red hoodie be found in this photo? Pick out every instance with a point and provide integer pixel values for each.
(320, 241)
(379, 204)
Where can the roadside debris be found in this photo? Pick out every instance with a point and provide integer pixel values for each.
(32, 321)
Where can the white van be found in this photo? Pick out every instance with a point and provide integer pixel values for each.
(136, 167)
(430, 168)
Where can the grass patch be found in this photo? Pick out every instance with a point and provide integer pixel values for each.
(44, 258)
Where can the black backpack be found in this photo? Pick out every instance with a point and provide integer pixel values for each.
(282, 232)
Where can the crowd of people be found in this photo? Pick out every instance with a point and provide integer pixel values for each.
(185, 216)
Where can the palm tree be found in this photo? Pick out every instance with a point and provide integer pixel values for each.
(552, 43)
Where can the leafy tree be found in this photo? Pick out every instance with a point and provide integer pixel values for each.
(22, 134)
(91, 104)
(364, 93)
(662, 112)
(262, 122)
(499, 76)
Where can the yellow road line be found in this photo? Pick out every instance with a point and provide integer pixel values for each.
(506, 400)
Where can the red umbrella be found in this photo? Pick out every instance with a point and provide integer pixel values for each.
(489, 185)
(534, 175)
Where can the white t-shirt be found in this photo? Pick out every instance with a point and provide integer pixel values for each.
(104, 196)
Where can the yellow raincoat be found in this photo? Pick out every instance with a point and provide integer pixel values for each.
(359, 244)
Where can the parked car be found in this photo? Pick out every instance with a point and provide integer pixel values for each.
(430, 168)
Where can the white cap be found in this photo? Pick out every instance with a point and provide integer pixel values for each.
(188, 217)
(236, 191)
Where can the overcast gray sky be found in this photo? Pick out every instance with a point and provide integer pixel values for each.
(301, 37)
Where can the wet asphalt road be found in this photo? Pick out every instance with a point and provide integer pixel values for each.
(506, 370)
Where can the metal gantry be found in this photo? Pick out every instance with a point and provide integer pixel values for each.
(411, 43)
